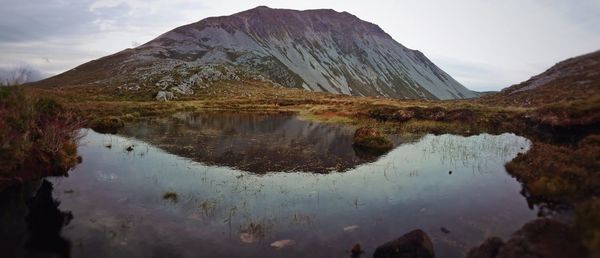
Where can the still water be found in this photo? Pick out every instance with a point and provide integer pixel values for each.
(254, 142)
(115, 197)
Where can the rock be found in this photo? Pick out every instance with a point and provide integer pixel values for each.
(544, 238)
(164, 96)
(248, 238)
(350, 228)
(182, 89)
(283, 243)
(445, 230)
(415, 244)
(488, 249)
(371, 139)
(356, 250)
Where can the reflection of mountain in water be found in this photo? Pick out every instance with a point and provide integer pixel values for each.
(31, 226)
(254, 142)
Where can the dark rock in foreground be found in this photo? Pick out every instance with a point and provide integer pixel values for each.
(543, 238)
(489, 248)
(415, 244)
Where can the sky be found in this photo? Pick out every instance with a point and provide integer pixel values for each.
(484, 44)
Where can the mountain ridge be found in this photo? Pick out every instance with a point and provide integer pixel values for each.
(573, 79)
(318, 50)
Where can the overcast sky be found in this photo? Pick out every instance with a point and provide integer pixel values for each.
(485, 45)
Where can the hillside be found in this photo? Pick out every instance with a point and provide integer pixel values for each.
(318, 50)
(575, 79)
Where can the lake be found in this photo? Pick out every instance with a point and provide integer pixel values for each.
(237, 183)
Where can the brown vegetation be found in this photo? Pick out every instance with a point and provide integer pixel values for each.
(560, 173)
(371, 139)
(107, 124)
(37, 135)
(554, 175)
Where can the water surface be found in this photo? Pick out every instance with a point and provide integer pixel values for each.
(254, 142)
(458, 183)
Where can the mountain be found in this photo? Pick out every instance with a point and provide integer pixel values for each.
(575, 79)
(318, 50)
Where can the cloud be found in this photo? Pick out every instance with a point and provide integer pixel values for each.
(479, 76)
(40, 19)
(72, 32)
(20, 74)
(584, 13)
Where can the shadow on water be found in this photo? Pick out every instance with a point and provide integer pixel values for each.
(252, 142)
(32, 222)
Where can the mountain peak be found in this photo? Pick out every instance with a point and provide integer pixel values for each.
(318, 50)
(262, 18)
(264, 8)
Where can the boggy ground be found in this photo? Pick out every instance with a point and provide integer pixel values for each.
(562, 169)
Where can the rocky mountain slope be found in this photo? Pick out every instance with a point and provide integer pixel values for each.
(575, 79)
(318, 50)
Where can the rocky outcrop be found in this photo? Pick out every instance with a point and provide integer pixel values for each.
(542, 238)
(165, 96)
(415, 244)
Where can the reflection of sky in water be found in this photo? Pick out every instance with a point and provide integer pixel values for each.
(119, 210)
